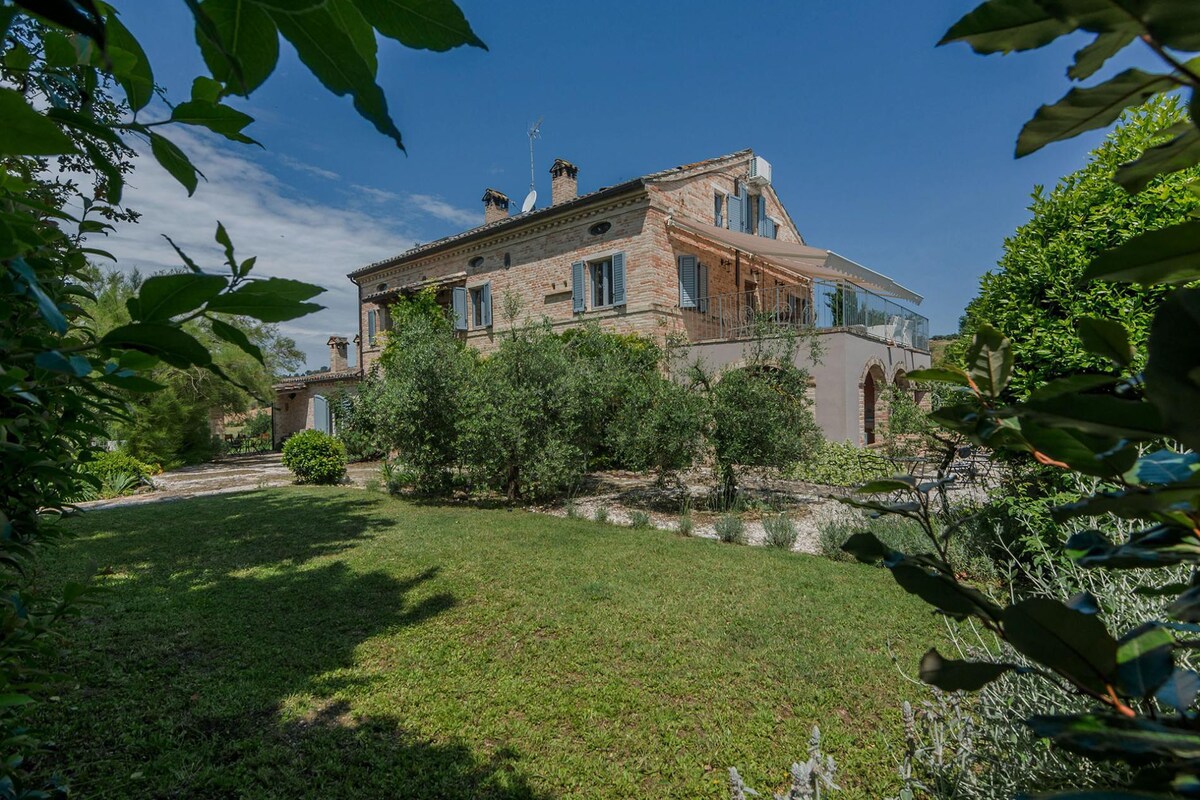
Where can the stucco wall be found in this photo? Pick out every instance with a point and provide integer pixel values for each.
(838, 374)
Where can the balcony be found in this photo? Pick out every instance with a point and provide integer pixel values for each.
(822, 305)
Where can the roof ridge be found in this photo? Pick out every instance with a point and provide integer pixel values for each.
(525, 216)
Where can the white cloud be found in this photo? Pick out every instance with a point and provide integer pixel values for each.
(293, 235)
(311, 169)
(437, 207)
(378, 195)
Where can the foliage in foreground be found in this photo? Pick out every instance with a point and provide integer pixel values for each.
(75, 86)
(1133, 690)
(315, 457)
(1035, 297)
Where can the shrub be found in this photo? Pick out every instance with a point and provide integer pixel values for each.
(687, 525)
(730, 528)
(315, 457)
(781, 531)
(521, 430)
(639, 519)
(112, 473)
(841, 464)
(601, 514)
(258, 424)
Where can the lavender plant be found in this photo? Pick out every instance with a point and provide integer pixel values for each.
(810, 780)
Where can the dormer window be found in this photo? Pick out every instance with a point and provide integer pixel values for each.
(600, 228)
(476, 262)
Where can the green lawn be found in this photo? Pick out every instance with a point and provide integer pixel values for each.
(340, 643)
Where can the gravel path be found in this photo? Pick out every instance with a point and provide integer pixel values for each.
(621, 494)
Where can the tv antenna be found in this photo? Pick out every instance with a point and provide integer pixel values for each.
(535, 132)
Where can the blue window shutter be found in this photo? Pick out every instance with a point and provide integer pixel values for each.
(486, 295)
(371, 326)
(746, 201)
(687, 281)
(702, 287)
(735, 212)
(460, 308)
(772, 231)
(763, 222)
(577, 270)
(618, 287)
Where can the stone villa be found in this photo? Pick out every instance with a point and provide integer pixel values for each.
(699, 249)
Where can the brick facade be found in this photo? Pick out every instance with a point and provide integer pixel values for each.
(529, 257)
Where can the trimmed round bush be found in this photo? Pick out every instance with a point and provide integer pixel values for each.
(315, 457)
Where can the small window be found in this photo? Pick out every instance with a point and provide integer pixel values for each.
(381, 287)
(719, 209)
(600, 228)
(602, 283)
(477, 307)
(476, 262)
(507, 261)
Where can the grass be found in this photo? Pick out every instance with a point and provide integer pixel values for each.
(327, 642)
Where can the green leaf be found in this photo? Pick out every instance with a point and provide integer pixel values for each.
(134, 75)
(1098, 414)
(952, 375)
(1070, 384)
(951, 675)
(164, 296)
(1145, 660)
(1179, 691)
(1005, 26)
(55, 361)
(1163, 466)
(170, 343)
(133, 383)
(1092, 56)
(1101, 456)
(899, 483)
(1168, 503)
(25, 132)
(423, 24)
(331, 55)
(9, 700)
(1106, 338)
(1083, 110)
(268, 300)
(174, 161)
(866, 548)
(932, 582)
(222, 237)
(1172, 372)
(240, 43)
(205, 89)
(1103, 736)
(1169, 255)
(1170, 22)
(236, 337)
(351, 21)
(1069, 642)
(187, 260)
(1181, 152)
(989, 361)
(216, 117)
(47, 308)
(81, 17)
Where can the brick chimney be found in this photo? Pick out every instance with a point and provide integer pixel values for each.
(337, 353)
(564, 182)
(495, 205)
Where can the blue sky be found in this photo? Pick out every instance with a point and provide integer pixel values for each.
(886, 149)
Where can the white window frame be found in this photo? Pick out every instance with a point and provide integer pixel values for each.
(606, 283)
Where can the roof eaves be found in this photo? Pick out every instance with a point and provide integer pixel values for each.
(498, 225)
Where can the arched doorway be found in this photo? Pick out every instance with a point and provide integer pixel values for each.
(873, 384)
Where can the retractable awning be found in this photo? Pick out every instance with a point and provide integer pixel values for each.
(810, 261)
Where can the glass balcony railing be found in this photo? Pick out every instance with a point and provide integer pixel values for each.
(823, 305)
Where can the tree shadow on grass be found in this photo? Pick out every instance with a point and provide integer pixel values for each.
(222, 660)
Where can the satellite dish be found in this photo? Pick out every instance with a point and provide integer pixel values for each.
(530, 199)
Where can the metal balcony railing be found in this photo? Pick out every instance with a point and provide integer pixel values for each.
(823, 305)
